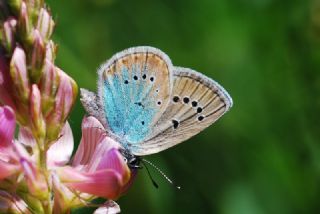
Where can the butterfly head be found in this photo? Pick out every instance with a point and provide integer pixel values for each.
(134, 162)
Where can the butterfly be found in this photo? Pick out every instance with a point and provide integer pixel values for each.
(148, 105)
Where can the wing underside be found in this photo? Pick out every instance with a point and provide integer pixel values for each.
(195, 104)
(134, 89)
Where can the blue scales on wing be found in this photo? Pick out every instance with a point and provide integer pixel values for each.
(134, 90)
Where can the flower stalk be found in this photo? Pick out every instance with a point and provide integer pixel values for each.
(36, 171)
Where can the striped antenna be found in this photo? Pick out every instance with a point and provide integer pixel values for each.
(160, 171)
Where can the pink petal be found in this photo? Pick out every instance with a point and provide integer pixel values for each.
(104, 183)
(20, 152)
(7, 169)
(7, 126)
(113, 159)
(93, 134)
(26, 138)
(109, 207)
(5, 154)
(60, 152)
(100, 153)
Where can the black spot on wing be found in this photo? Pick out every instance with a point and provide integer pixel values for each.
(176, 99)
(194, 103)
(200, 118)
(175, 124)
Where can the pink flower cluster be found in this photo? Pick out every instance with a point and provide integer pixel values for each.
(96, 170)
(37, 173)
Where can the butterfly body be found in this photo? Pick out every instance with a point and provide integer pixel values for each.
(149, 105)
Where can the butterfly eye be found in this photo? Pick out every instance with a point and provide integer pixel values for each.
(125, 159)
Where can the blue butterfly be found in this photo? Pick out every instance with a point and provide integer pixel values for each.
(148, 105)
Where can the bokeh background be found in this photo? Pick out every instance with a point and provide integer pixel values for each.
(261, 157)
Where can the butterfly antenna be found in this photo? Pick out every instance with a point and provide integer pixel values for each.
(160, 171)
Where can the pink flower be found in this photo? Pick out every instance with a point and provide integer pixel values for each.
(98, 167)
(15, 159)
(7, 127)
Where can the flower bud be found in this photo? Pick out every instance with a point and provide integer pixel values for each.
(19, 75)
(34, 5)
(35, 179)
(15, 5)
(23, 23)
(38, 124)
(64, 100)
(34, 203)
(49, 84)
(45, 24)
(51, 51)
(8, 39)
(37, 57)
(5, 83)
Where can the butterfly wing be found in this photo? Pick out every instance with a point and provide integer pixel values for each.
(90, 102)
(134, 89)
(195, 104)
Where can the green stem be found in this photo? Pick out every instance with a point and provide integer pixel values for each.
(42, 162)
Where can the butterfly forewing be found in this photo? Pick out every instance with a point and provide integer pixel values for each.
(195, 103)
(134, 90)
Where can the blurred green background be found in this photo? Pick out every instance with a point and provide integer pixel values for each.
(261, 157)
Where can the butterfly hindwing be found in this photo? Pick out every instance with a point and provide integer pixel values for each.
(134, 90)
(195, 103)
